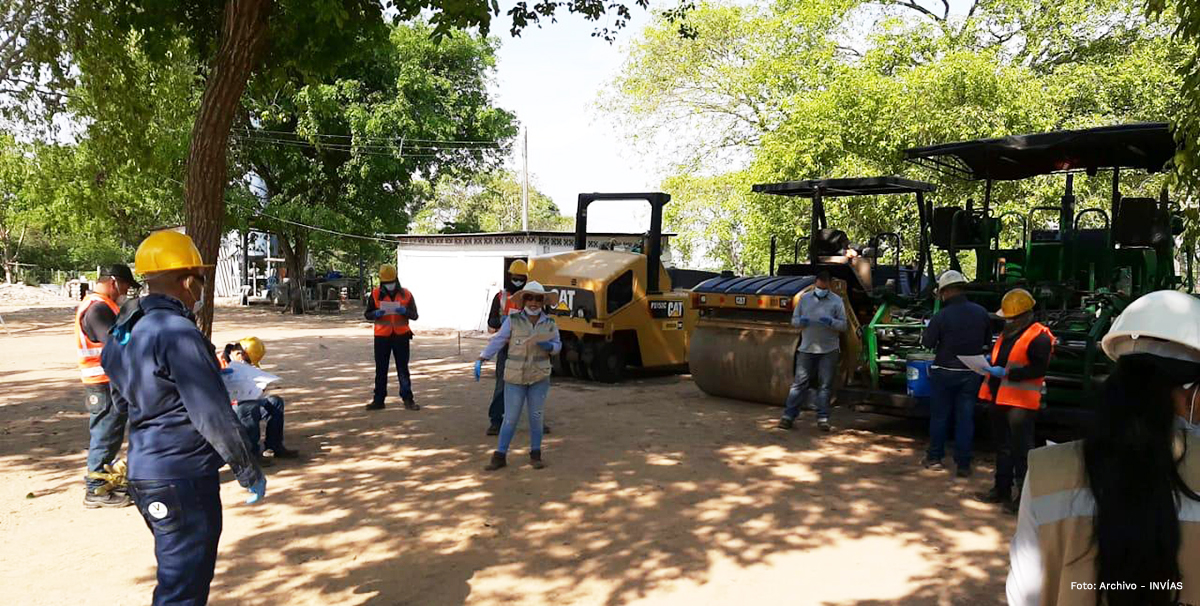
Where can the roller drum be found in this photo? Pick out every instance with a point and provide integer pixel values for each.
(744, 360)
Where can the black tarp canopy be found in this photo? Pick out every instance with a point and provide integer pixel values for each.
(834, 188)
(1146, 146)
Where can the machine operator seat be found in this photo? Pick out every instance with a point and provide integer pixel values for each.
(1138, 223)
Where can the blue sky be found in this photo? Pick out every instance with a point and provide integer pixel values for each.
(551, 78)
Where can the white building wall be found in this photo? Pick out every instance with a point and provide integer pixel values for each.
(454, 286)
(454, 279)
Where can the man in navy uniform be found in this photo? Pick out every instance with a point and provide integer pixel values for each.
(164, 375)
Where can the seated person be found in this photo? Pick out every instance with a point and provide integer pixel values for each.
(250, 412)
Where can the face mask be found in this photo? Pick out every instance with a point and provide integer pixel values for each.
(533, 311)
(1185, 423)
(390, 286)
(518, 283)
(199, 304)
(821, 292)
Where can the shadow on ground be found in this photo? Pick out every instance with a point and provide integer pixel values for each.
(652, 488)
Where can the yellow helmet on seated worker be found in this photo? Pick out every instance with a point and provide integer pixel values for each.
(387, 273)
(167, 251)
(1016, 302)
(518, 268)
(254, 348)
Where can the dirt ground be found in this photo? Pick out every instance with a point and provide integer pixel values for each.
(654, 493)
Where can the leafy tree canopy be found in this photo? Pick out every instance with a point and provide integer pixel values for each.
(490, 203)
(848, 97)
(355, 152)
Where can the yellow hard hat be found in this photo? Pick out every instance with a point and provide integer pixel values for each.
(166, 251)
(254, 348)
(519, 268)
(1015, 302)
(387, 273)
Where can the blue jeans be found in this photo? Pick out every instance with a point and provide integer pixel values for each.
(812, 368)
(516, 398)
(185, 517)
(496, 409)
(251, 412)
(106, 429)
(952, 394)
(385, 349)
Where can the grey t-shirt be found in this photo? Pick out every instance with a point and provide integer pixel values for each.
(818, 337)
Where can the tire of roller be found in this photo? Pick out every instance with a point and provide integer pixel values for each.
(608, 366)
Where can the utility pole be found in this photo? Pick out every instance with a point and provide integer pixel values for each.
(525, 182)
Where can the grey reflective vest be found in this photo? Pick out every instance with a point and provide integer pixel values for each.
(527, 363)
(1064, 510)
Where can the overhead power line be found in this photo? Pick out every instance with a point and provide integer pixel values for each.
(324, 230)
(405, 140)
(368, 150)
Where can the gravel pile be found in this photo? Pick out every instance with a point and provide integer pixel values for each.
(20, 295)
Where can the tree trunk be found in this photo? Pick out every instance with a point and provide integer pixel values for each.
(295, 253)
(243, 34)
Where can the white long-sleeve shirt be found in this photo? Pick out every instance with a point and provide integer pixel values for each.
(1024, 585)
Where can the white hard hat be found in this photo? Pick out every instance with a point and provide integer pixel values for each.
(950, 277)
(536, 289)
(1164, 323)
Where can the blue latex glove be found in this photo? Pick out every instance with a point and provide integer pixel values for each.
(546, 345)
(804, 321)
(827, 321)
(401, 310)
(378, 313)
(997, 371)
(257, 492)
(478, 369)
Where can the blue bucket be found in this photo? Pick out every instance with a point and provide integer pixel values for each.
(918, 365)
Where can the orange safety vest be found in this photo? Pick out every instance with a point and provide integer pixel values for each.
(89, 350)
(1021, 394)
(392, 324)
(508, 304)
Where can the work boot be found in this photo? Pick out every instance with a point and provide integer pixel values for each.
(92, 500)
(493, 429)
(375, 406)
(933, 464)
(993, 495)
(963, 471)
(411, 405)
(264, 461)
(498, 461)
(785, 423)
(285, 453)
(823, 425)
(535, 459)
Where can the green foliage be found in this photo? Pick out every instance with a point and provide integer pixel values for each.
(358, 151)
(916, 77)
(489, 203)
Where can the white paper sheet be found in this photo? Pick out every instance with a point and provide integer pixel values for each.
(978, 364)
(245, 382)
(391, 307)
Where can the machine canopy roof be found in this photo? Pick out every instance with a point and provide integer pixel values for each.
(834, 188)
(1147, 146)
